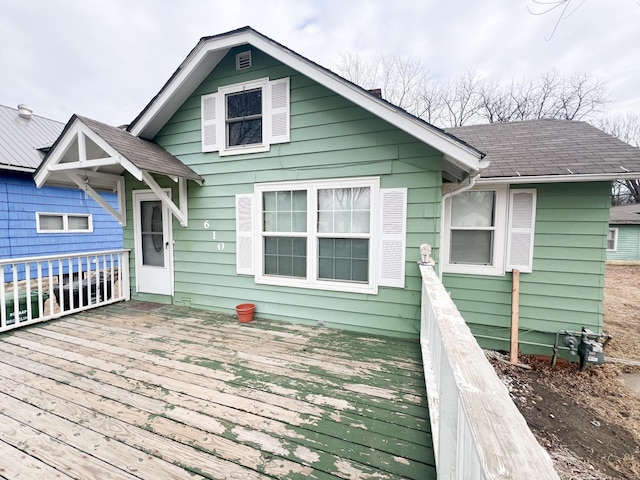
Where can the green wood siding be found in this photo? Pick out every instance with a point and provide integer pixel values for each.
(565, 289)
(628, 243)
(330, 138)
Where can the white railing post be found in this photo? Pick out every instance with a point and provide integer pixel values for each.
(477, 430)
(69, 283)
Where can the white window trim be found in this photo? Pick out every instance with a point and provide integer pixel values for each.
(65, 222)
(262, 83)
(311, 281)
(275, 116)
(499, 239)
(615, 239)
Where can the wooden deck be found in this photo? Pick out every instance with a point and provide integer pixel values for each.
(139, 390)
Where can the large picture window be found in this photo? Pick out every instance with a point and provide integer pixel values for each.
(319, 233)
(345, 235)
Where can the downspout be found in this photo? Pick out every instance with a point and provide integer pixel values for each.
(471, 183)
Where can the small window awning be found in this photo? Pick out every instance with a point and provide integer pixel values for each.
(93, 156)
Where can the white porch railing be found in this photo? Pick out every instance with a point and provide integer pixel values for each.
(36, 289)
(477, 430)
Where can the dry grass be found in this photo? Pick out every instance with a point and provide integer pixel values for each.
(595, 433)
(602, 389)
(622, 311)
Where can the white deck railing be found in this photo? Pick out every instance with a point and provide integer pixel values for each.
(477, 430)
(35, 289)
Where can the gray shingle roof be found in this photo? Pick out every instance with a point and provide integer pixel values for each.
(625, 214)
(549, 147)
(20, 139)
(144, 154)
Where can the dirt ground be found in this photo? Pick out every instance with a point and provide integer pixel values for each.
(588, 421)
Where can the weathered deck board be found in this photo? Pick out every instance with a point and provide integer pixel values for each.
(194, 394)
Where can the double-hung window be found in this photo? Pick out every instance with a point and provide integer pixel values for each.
(284, 232)
(488, 230)
(473, 228)
(326, 234)
(344, 233)
(243, 118)
(246, 117)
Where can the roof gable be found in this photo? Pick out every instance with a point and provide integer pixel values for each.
(551, 150)
(211, 50)
(106, 151)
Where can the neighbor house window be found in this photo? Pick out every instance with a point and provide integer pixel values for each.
(63, 223)
(488, 231)
(612, 239)
(246, 118)
(325, 234)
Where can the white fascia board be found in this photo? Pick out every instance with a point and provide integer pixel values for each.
(56, 155)
(87, 164)
(17, 169)
(191, 74)
(599, 177)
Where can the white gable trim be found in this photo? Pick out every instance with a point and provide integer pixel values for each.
(209, 52)
(83, 173)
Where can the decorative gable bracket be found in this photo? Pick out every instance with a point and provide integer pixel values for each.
(179, 211)
(84, 159)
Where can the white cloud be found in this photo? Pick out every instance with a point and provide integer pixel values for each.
(107, 59)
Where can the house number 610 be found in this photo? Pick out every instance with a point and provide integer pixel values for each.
(206, 226)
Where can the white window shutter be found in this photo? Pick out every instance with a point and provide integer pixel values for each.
(245, 262)
(210, 123)
(279, 111)
(521, 232)
(393, 232)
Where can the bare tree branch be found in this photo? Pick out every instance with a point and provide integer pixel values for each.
(627, 129)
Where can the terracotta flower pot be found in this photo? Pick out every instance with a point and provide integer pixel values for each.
(245, 312)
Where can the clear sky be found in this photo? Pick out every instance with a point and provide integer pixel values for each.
(106, 59)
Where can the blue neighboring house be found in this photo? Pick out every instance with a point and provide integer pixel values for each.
(49, 220)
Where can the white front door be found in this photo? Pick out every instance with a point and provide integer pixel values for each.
(153, 244)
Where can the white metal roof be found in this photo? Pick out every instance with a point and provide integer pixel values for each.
(20, 139)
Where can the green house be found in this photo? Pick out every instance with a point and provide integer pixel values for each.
(256, 175)
(623, 242)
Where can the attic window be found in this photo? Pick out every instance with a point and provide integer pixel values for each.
(246, 117)
(243, 60)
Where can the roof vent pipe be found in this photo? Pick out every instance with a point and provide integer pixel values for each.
(25, 111)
